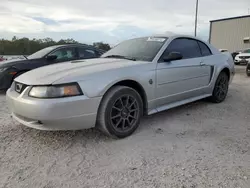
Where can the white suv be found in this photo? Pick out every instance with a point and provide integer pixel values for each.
(243, 57)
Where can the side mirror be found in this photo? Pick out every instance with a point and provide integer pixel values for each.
(173, 56)
(51, 57)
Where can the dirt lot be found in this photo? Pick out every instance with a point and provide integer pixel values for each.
(196, 145)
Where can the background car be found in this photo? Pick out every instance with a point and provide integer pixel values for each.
(139, 76)
(11, 69)
(243, 58)
(234, 54)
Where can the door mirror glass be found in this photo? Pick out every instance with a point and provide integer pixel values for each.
(173, 56)
(51, 57)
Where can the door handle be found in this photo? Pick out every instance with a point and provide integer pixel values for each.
(202, 64)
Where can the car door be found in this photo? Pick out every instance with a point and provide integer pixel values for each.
(86, 53)
(63, 54)
(181, 79)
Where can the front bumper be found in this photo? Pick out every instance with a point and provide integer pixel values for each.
(5, 80)
(241, 61)
(69, 113)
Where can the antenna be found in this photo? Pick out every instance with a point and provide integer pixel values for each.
(196, 15)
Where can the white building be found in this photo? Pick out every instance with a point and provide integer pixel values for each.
(230, 33)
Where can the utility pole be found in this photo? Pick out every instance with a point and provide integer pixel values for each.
(196, 17)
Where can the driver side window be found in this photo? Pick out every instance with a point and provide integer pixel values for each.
(188, 48)
(65, 54)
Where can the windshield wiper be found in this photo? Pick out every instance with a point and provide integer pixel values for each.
(120, 57)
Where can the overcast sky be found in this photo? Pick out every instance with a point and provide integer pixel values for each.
(111, 20)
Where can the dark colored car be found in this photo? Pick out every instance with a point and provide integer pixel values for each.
(11, 69)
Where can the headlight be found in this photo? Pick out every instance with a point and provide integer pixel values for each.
(56, 91)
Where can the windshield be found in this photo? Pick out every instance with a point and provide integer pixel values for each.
(41, 53)
(246, 51)
(144, 49)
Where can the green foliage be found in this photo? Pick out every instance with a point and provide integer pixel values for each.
(25, 46)
(102, 46)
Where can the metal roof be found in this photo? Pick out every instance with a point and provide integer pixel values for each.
(237, 17)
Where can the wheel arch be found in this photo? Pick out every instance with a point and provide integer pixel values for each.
(227, 71)
(136, 86)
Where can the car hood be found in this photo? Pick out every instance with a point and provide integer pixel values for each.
(75, 70)
(13, 62)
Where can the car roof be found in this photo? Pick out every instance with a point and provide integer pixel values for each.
(173, 35)
(76, 45)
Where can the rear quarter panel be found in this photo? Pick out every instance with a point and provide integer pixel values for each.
(219, 61)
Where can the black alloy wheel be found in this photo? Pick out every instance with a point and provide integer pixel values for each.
(124, 113)
(120, 112)
(248, 70)
(220, 88)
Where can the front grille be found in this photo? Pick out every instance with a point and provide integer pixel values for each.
(19, 87)
(244, 57)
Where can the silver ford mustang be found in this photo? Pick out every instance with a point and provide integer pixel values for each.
(139, 76)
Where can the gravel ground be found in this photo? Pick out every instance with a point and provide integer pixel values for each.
(196, 145)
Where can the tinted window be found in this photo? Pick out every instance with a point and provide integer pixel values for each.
(85, 53)
(41, 53)
(65, 54)
(144, 49)
(187, 47)
(205, 51)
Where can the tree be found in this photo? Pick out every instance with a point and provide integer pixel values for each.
(14, 38)
(102, 46)
(25, 46)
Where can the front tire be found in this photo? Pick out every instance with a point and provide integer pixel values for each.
(220, 88)
(120, 112)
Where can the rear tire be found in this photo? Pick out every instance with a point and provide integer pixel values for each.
(247, 72)
(120, 112)
(220, 88)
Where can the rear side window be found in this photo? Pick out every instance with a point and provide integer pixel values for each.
(205, 51)
(189, 48)
(85, 53)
